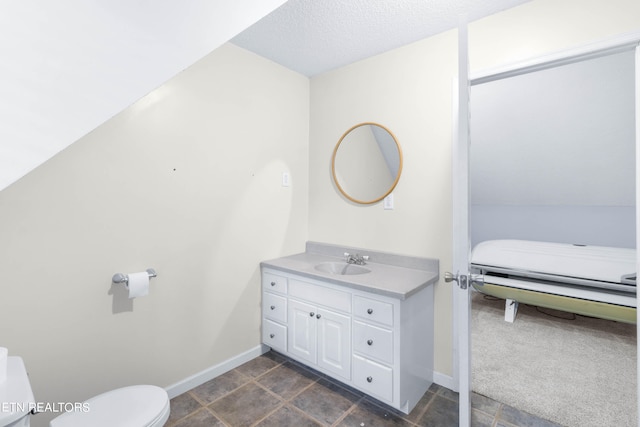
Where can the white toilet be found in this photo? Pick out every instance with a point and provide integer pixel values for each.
(134, 406)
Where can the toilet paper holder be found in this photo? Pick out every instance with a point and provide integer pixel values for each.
(123, 278)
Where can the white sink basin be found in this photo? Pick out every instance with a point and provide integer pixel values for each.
(341, 268)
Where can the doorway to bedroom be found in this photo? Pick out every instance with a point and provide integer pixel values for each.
(552, 159)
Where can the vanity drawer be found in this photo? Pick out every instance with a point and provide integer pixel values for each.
(373, 378)
(274, 283)
(274, 335)
(274, 307)
(372, 341)
(375, 310)
(321, 295)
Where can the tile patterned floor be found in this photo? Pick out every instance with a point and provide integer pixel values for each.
(274, 391)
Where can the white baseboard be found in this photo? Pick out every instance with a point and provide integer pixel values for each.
(444, 381)
(210, 373)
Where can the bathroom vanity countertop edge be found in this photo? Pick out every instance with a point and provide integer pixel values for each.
(384, 279)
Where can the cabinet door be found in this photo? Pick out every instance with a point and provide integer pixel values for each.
(334, 342)
(302, 330)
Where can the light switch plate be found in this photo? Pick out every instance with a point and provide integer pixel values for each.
(388, 202)
(286, 179)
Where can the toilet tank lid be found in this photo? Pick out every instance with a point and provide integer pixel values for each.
(133, 406)
(16, 396)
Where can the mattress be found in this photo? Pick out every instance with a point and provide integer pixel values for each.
(581, 265)
(591, 280)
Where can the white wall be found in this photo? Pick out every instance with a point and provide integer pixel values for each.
(187, 181)
(409, 91)
(69, 66)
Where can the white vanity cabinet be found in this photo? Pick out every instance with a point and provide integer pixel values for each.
(373, 342)
(321, 337)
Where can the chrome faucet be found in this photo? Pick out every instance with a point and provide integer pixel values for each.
(356, 259)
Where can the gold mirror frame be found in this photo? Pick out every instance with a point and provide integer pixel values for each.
(335, 175)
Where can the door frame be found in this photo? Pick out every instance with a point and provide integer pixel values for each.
(460, 221)
(460, 170)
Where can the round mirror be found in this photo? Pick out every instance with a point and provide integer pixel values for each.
(366, 163)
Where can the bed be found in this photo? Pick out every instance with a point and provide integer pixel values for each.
(594, 281)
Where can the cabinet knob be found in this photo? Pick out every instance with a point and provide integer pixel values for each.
(318, 316)
(273, 283)
(272, 335)
(369, 379)
(370, 310)
(312, 314)
(370, 342)
(273, 307)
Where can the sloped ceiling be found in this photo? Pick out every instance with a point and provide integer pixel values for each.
(314, 36)
(70, 65)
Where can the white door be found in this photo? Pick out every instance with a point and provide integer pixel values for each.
(302, 331)
(461, 243)
(334, 343)
(638, 212)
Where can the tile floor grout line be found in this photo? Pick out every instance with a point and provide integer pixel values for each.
(422, 412)
(347, 412)
(489, 414)
(278, 364)
(310, 416)
(498, 417)
(316, 381)
(196, 398)
(288, 400)
(494, 422)
(307, 415)
(428, 406)
(276, 409)
(281, 400)
(302, 390)
(202, 405)
(215, 414)
(273, 393)
(222, 396)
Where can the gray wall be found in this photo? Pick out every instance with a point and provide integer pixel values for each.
(553, 155)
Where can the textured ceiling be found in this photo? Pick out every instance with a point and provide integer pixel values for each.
(314, 36)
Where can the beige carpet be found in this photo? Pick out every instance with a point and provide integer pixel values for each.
(580, 372)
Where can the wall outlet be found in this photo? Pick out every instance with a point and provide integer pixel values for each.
(286, 179)
(388, 202)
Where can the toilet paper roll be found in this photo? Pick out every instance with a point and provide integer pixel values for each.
(4, 353)
(138, 284)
